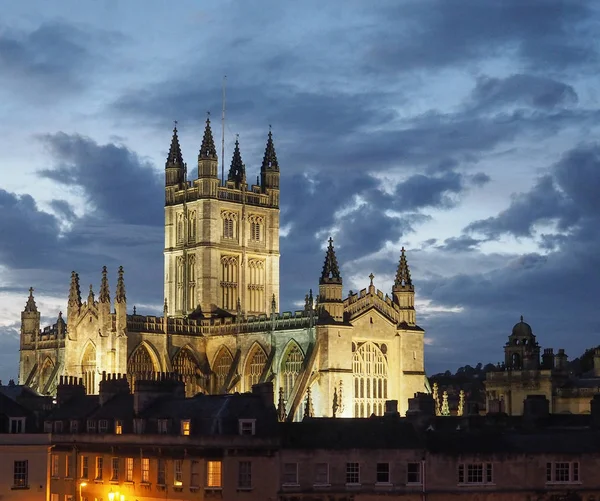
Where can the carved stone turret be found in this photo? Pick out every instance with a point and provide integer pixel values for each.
(269, 171)
(121, 304)
(403, 290)
(174, 164)
(208, 164)
(237, 170)
(331, 304)
(30, 321)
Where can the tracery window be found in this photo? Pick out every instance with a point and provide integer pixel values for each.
(185, 365)
(221, 368)
(140, 364)
(229, 282)
(256, 227)
(370, 372)
(256, 285)
(229, 224)
(88, 369)
(290, 369)
(255, 366)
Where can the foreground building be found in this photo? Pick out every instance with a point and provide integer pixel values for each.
(221, 329)
(525, 373)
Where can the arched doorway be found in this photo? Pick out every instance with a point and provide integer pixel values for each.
(370, 372)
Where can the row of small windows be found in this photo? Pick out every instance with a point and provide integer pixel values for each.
(230, 228)
(467, 473)
(181, 227)
(147, 470)
(164, 426)
(188, 231)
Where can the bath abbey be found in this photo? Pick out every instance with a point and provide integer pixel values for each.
(221, 330)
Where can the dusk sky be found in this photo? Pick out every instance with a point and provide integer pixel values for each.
(463, 130)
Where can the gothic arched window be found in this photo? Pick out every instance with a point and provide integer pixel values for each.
(290, 369)
(369, 367)
(221, 369)
(180, 227)
(255, 366)
(191, 278)
(140, 364)
(192, 226)
(184, 364)
(256, 285)
(88, 369)
(45, 374)
(229, 282)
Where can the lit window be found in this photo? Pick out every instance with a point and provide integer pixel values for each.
(477, 473)
(178, 473)
(129, 470)
(53, 497)
(413, 473)
(99, 468)
(84, 467)
(247, 426)
(17, 425)
(54, 466)
(185, 427)
(352, 473)
(245, 475)
(562, 472)
(115, 469)
(161, 472)
(383, 473)
(290, 473)
(20, 475)
(102, 426)
(213, 474)
(322, 474)
(118, 427)
(145, 470)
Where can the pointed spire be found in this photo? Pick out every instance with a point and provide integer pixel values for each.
(90, 299)
(207, 150)
(335, 405)
(166, 308)
(308, 405)
(31, 307)
(74, 291)
(273, 304)
(104, 295)
(281, 414)
(175, 158)
(403, 280)
(120, 292)
(331, 271)
(237, 171)
(270, 157)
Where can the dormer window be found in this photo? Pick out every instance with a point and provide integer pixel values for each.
(163, 426)
(74, 426)
(138, 426)
(47, 426)
(118, 427)
(185, 427)
(102, 426)
(91, 426)
(247, 426)
(17, 425)
(58, 427)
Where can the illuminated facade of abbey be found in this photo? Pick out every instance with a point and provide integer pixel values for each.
(221, 329)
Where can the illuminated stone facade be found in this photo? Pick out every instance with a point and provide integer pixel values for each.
(221, 329)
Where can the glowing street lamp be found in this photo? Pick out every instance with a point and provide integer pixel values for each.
(81, 486)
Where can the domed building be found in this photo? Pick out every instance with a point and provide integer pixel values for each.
(524, 373)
